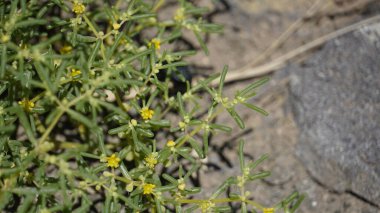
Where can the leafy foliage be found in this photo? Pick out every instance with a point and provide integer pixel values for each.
(90, 118)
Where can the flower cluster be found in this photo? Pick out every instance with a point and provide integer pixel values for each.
(113, 161)
(146, 113)
(156, 43)
(268, 210)
(78, 8)
(151, 160)
(75, 73)
(148, 188)
(27, 104)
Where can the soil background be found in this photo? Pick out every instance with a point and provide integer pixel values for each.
(251, 26)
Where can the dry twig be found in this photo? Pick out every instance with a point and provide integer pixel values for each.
(282, 60)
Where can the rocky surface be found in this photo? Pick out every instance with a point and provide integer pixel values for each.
(336, 101)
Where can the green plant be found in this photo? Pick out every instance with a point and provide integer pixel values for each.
(86, 121)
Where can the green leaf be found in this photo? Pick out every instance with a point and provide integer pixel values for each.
(290, 198)
(180, 105)
(222, 78)
(255, 108)
(160, 123)
(194, 190)
(166, 188)
(164, 155)
(196, 147)
(169, 178)
(74, 37)
(94, 53)
(151, 98)
(124, 171)
(28, 200)
(100, 138)
(44, 76)
(99, 168)
(25, 190)
(81, 118)
(143, 16)
(236, 117)
(5, 198)
(25, 123)
(205, 142)
(30, 22)
(243, 207)
(174, 65)
(297, 204)
(135, 56)
(51, 40)
(158, 203)
(254, 85)
(89, 155)
(221, 127)
(3, 87)
(211, 28)
(83, 208)
(204, 83)
(197, 10)
(222, 188)
(118, 129)
(3, 60)
(241, 155)
(201, 42)
(222, 209)
(107, 203)
(260, 175)
(112, 108)
(145, 132)
(116, 43)
(129, 202)
(253, 165)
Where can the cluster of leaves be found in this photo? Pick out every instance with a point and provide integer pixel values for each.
(90, 118)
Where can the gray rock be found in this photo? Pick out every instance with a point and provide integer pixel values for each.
(335, 96)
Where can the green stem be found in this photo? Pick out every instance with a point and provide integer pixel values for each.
(89, 23)
(51, 126)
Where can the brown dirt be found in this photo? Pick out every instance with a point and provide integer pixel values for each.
(251, 26)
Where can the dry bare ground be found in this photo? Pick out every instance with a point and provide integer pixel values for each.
(257, 33)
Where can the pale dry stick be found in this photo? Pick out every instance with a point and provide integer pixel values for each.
(286, 34)
(353, 7)
(281, 61)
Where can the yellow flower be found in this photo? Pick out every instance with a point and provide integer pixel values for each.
(170, 143)
(113, 161)
(134, 122)
(268, 210)
(179, 15)
(156, 68)
(181, 184)
(26, 104)
(156, 42)
(75, 72)
(151, 160)
(146, 113)
(148, 188)
(66, 49)
(5, 38)
(129, 187)
(182, 125)
(205, 206)
(116, 26)
(78, 8)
